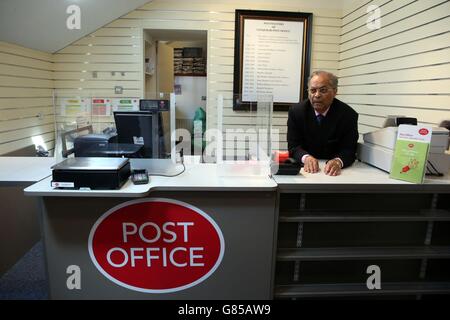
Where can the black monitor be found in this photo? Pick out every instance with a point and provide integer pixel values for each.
(141, 128)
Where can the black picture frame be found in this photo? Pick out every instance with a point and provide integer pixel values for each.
(240, 18)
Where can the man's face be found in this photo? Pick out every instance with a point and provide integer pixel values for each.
(320, 92)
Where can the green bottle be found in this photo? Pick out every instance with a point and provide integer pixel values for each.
(198, 130)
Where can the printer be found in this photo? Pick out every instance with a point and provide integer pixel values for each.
(86, 145)
(378, 146)
(91, 173)
(105, 145)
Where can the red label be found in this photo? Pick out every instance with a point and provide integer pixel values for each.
(423, 131)
(156, 245)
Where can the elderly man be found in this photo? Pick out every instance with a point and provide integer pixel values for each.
(322, 127)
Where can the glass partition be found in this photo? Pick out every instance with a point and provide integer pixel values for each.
(89, 125)
(240, 142)
(245, 138)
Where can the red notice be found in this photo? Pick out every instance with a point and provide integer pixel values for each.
(156, 245)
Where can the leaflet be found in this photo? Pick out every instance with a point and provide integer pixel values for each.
(411, 153)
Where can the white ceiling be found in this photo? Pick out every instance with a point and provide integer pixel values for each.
(41, 24)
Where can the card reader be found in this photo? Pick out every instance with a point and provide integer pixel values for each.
(139, 176)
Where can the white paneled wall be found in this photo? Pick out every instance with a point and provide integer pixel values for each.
(93, 66)
(118, 47)
(107, 58)
(26, 103)
(403, 68)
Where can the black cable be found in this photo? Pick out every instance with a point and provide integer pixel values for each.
(431, 164)
(436, 172)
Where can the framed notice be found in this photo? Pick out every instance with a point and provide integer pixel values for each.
(272, 56)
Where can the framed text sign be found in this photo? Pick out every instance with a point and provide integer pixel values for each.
(271, 57)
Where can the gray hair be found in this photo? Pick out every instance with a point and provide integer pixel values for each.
(333, 79)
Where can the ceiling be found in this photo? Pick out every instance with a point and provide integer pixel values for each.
(41, 24)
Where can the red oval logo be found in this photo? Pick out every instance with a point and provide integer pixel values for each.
(156, 245)
(423, 131)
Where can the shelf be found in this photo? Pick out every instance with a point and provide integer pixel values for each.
(314, 216)
(351, 289)
(190, 75)
(362, 253)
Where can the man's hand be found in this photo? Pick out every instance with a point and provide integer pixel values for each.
(333, 167)
(311, 165)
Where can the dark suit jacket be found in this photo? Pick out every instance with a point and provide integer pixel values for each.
(337, 136)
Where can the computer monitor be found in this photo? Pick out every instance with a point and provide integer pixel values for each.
(141, 128)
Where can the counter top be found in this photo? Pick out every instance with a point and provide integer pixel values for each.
(197, 177)
(360, 177)
(16, 171)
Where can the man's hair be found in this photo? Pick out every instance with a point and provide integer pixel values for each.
(445, 124)
(333, 79)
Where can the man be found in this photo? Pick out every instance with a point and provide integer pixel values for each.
(323, 127)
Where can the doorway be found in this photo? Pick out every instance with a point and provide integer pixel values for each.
(176, 61)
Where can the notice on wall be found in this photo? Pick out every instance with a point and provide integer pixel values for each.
(75, 106)
(101, 107)
(125, 104)
(272, 58)
(411, 153)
